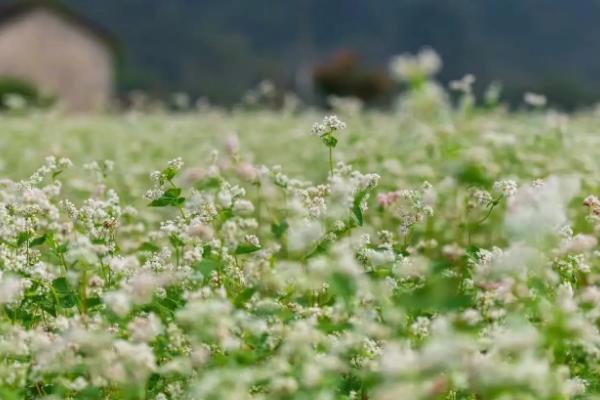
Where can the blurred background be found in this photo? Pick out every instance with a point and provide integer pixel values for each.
(219, 50)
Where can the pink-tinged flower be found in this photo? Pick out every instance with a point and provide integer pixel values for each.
(191, 175)
(248, 172)
(386, 199)
(232, 144)
(593, 203)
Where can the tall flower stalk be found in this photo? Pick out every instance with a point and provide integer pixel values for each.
(326, 130)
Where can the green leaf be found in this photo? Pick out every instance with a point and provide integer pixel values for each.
(48, 306)
(472, 174)
(439, 294)
(210, 183)
(356, 210)
(151, 247)
(279, 229)
(472, 252)
(172, 192)
(175, 241)
(38, 241)
(243, 297)
(167, 201)
(342, 285)
(246, 249)
(329, 140)
(68, 301)
(327, 325)
(25, 317)
(160, 202)
(206, 266)
(61, 285)
(172, 301)
(225, 214)
(169, 198)
(56, 173)
(62, 248)
(22, 238)
(66, 297)
(321, 248)
(169, 173)
(93, 301)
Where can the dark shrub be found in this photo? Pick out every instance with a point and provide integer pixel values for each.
(29, 93)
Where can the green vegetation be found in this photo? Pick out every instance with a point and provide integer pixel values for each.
(430, 252)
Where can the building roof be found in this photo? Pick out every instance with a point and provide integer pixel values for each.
(15, 10)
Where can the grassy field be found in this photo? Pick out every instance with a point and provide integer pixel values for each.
(442, 252)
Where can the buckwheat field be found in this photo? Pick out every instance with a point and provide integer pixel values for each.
(438, 250)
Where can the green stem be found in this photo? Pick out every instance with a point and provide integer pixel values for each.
(181, 213)
(179, 208)
(486, 215)
(493, 204)
(331, 160)
(63, 262)
(27, 242)
(83, 290)
(105, 271)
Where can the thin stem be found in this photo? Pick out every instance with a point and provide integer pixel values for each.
(331, 160)
(61, 256)
(27, 241)
(181, 213)
(27, 251)
(105, 271)
(258, 200)
(83, 291)
(486, 215)
(179, 207)
(493, 204)
(38, 389)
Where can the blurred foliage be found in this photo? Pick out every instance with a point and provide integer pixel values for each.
(16, 93)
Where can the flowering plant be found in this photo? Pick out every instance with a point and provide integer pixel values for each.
(452, 255)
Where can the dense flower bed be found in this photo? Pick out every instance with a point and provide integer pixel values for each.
(430, 252)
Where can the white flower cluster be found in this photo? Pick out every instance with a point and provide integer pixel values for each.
(328, 126)
(308, 279)
(421, 65)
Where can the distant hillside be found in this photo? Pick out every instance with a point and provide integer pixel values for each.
(221, 48)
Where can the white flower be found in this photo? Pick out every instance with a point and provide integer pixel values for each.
(119, 302)
(328, 126)
(465, 84)
(507, 187)
(145, 329)
(11, 288)
(241, 206)
(252, 240)
(534, 99)
(537, 210)
(176, 163)
(304, 234)
(407, 67)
